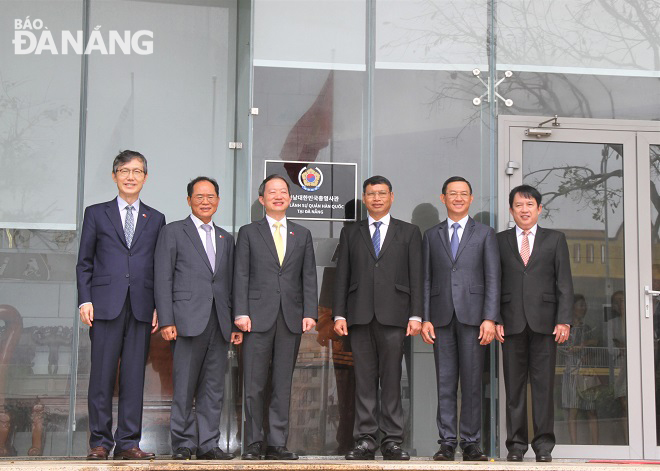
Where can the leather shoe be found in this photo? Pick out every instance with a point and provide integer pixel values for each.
(472, 452)
(445, 453)
(360, 452)
(515, 456)
(543, 457)
(98, 453)
(134, 454)
(252, 452)
(215, 454)
(393, 451)
(181, 454)
(279, 453)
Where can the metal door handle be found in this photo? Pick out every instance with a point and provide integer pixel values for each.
(647, 306)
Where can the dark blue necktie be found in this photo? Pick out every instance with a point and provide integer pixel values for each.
(375, 239)
(454, 240)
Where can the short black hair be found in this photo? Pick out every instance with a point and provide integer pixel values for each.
(193, 182)
(270, 177)
(376, 180)
(452, 180)
(125, 156)
(526, 191)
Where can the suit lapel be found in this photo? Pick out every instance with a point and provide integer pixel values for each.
(220, 247)
(465, 238)
(364, 230)
(444, 238)
(112, 210)
(264, 230)
(291, 241)
(191, 231)
(513, 243)
(391, 231)
(538, 240)
(141, 220)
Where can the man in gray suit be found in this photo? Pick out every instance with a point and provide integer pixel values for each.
(193, 281)
(537, 308)
(461, 307)
(275, 301)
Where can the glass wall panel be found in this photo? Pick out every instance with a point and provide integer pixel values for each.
(654, 157)
(176, 106)
(39, 104)
(582, 188)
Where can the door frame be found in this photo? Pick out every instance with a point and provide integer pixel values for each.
(641, 400)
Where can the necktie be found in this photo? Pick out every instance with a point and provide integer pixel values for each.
(279, 243)
(375, 239)
(129, 226)
(454, 240)
(524, 248)
(210, 251)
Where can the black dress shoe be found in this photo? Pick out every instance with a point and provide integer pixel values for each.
(445, 453)
(543, 457)
(279, 453)
(215, 454)
(360, 452)
(393, 451)
(515, 456)
(472, 452)
(252, 452)
(181, 454)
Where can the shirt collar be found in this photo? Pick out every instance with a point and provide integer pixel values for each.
(198, 222)
(385, 219)
(122, 204)
(532, 231)
(462, 222)
(271, 221)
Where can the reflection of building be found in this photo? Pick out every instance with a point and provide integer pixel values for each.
(594, 257)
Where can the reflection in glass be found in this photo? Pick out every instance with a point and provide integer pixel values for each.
(654, 157)
(582, 188)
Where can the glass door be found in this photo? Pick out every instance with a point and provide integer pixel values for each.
(587, 172)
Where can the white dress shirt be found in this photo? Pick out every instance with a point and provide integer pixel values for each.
(462, 222)
(202, 233)
(383, 232)
(122, 210)
(283, 232)
(530, 237)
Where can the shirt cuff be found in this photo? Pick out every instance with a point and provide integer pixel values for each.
(88, 302)
(415, 318)
(339, 318)
(240, 317)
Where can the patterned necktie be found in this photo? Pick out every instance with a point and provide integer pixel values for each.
(375, 239)
(129, 226)
(210, 251)
(524, 248)
(279, 243)
(454, 240)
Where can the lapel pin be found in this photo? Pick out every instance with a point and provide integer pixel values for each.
(221, 236)
(291, 233)
(144, 215)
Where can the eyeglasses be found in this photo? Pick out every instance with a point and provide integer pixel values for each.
(372, 194)
(125, 172)
(199, 198)
(455, 194)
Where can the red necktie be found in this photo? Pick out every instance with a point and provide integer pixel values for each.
(524, 248)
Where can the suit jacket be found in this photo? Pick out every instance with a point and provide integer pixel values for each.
(186, 285)
(468, 286)
(541, 293)
(261, 285)
(107, 267)
(389, 286)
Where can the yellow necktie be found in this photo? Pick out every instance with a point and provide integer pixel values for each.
(279, 243)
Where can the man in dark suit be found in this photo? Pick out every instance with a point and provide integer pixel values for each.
(461, 299)
(115, 274)
(378, 298)
(194, 267)
(537, 300)
(276, 301)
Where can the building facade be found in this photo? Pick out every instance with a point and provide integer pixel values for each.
(416, 90)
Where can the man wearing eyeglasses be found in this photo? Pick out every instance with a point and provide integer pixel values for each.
(461, 307)
(115, 276)
(194, 271)
(378, 301)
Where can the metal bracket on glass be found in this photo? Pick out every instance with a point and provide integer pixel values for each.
(511, 166)
(649, 294)
(477, 101)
